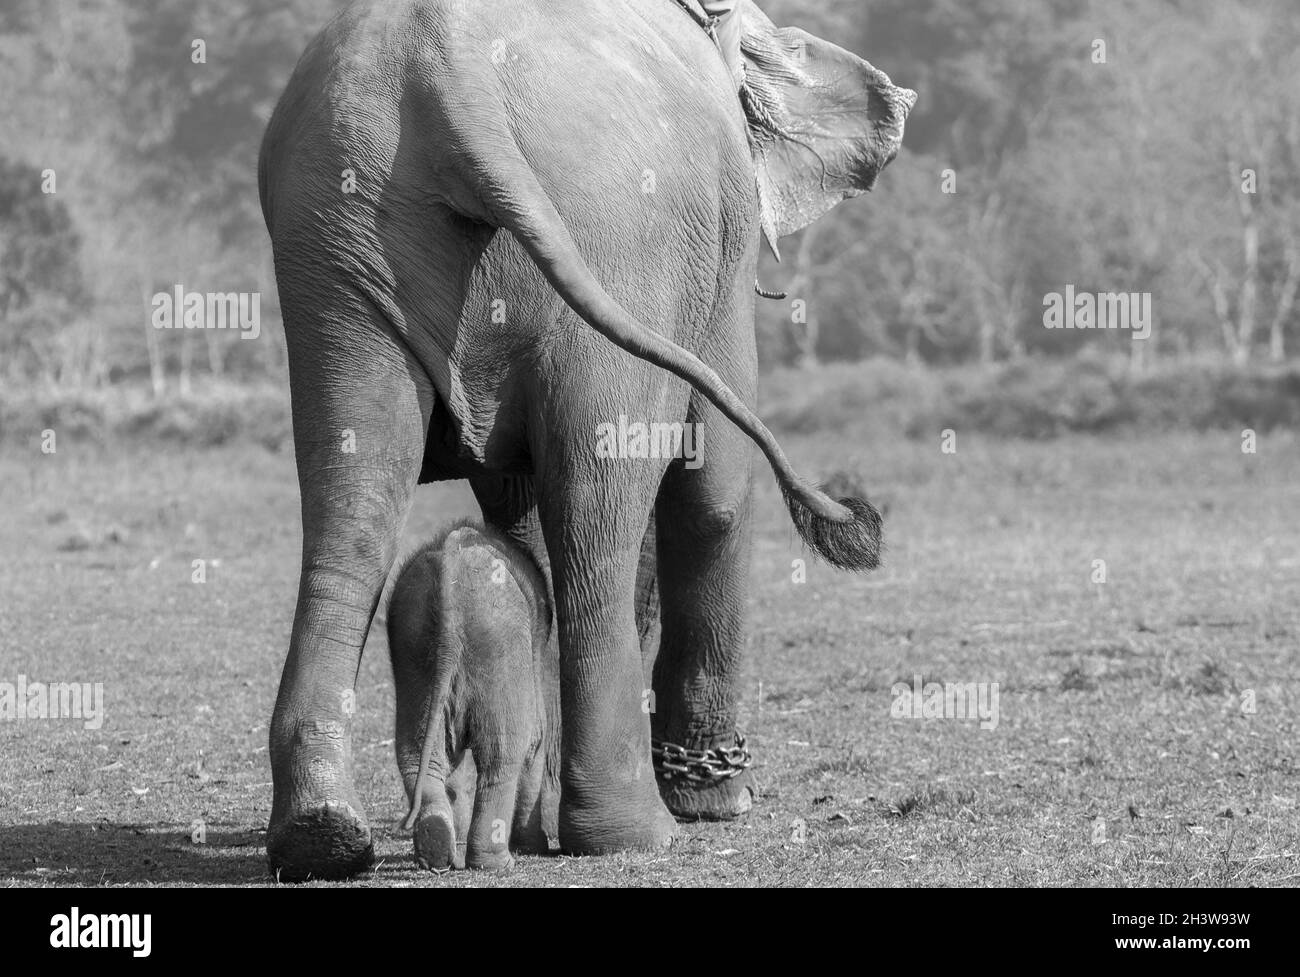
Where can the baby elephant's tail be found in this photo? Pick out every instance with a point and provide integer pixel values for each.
(432, 734)
(422, 778)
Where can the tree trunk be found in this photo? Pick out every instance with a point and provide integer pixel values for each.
(157, 369)
(1214, 278)
(1248, 299)
(805, 335)
(988, 338)
(187, 358)
(1012, 341)
(216, 362)
(1286, 301)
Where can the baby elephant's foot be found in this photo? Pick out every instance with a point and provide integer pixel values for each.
(489, 836)
(492, 860)
(435, 837)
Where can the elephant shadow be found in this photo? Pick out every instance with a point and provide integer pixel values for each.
(106, 853)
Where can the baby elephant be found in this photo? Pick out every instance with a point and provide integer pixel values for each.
(469, 629)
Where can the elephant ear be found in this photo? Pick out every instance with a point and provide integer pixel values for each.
(823, 123)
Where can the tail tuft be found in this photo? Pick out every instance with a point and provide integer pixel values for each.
(852, 543)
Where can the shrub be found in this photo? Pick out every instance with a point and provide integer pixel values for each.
(1033, 399)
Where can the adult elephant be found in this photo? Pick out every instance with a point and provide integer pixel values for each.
(607, 140)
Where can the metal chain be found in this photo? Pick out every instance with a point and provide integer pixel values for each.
(700, 766)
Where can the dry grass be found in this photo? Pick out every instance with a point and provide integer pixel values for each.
(1121, 702)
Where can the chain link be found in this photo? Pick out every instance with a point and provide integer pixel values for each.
(700, 766)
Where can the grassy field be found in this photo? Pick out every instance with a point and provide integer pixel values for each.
(1126, 752)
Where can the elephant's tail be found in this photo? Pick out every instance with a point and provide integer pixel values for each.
(847, 532)
(432, 732)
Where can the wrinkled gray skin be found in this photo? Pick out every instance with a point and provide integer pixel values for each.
(555, 222)
(469, 628)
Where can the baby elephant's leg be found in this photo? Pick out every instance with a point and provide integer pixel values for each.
(435, 832)
(528, 835)
(445, 817)
(490, 829)
(460, 791)
(424, 664)
(435, 828)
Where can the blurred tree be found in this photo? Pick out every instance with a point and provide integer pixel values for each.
(984, 68)
(1126, 174)
(1245, 125)
(40, 275)
(38, 243)
(204, 78)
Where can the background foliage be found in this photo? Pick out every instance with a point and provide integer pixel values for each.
(1118, 176)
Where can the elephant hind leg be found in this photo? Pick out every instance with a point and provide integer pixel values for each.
(443, 821)
(439, 832)
(594, 529)
(435, 834)
(488, 845)
(360, 410)
(535, 814)
(705, 518)
(429, 781)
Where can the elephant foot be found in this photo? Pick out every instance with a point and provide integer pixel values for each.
(613, 824)
(493, 860)
(715, 800)
(327, 841)
(435, 839)
(532, 840)
(436, 847)
(317, 829)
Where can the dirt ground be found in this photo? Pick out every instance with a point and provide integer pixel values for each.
(1146, 731)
